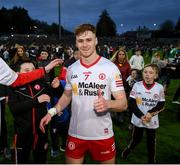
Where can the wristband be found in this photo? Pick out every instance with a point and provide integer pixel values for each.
(52, 111)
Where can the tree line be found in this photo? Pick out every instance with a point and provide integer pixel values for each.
(18, 21)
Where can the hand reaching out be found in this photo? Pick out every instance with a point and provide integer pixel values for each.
(55, 83)
(52, 64)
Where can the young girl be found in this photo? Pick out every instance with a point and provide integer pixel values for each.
(146, 101)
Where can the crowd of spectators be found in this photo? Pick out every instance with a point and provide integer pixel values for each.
(129, 57)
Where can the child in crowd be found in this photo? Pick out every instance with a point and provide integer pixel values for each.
(28, 105)
(130, 81)
(146, 101)
(60, 123)
(42, 60)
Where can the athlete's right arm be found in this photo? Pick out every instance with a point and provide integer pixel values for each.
(62, 103)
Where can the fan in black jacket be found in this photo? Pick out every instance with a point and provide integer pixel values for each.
(28, 105)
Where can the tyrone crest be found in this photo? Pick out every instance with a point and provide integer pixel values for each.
(102, 76)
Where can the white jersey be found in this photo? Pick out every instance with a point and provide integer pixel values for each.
(84, 81)
(146, 99)
(7, 75)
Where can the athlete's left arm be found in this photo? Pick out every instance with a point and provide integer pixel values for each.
(119, 103)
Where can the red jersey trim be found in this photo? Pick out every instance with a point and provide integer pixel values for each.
(88, 66)
(150, 87)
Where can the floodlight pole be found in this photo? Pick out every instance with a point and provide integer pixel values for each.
(59, 16)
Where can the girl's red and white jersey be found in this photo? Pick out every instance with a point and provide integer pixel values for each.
(146, 99)
(84, 81)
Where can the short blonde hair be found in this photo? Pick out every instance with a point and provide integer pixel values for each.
(153, 66)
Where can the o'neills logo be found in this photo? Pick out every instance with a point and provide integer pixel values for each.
(71, 145)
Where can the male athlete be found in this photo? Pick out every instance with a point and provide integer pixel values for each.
(90, 83)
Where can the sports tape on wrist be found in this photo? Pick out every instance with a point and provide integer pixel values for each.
(52, 111)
